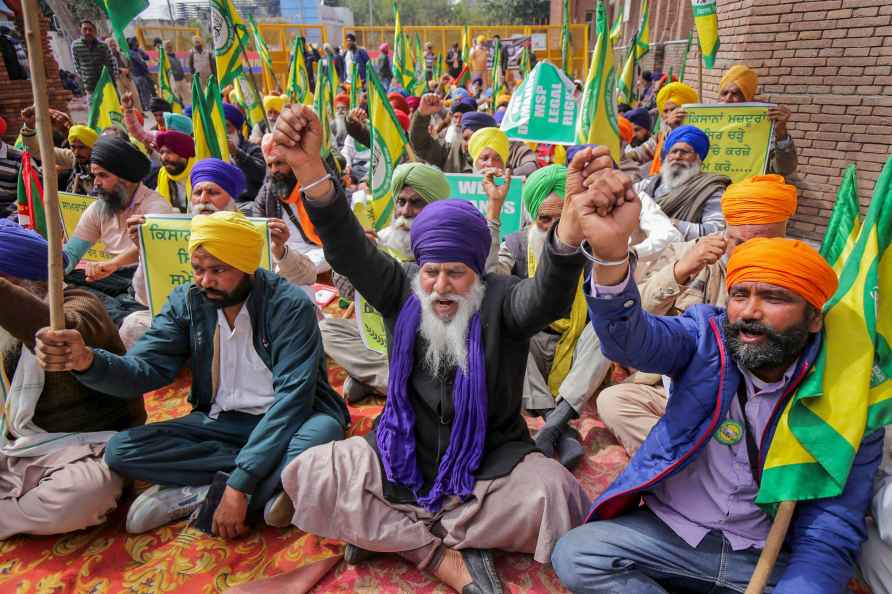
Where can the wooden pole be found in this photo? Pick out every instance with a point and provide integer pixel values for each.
(48, 161)
(700, 71)
(773, 545)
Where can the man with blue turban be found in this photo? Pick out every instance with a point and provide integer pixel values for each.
(449, 471)
(52, 475)
(691, 198)
(243, 153)
(455, 157)
(260, 394)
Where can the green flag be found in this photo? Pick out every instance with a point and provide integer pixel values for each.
(164, 81)
(228, 30)
(388, 143)
(616, 30)
(355, 86)
(845, 222)
(120, 13)
(322, 102)
(298, 88)
(684, 60)
(625, 85)
(105, 108)
(465, 44)
(565, 37)
(524, 63)
(496, 72)
(402, 66)
(266, 59)
(642, 39)
(206, 137)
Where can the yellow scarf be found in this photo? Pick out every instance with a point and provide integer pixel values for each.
(164, 187)
(569, 328)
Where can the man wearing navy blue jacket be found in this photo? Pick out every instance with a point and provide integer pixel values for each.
(698, 472)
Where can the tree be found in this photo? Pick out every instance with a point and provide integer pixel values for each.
(521, 12)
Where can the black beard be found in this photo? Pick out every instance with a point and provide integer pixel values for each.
(237, 296)
(111, 203)
(175, 168)
(282, 184)
(779, 350)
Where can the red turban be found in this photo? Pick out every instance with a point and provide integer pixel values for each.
(403, 118)
(181, 144)
(398, 102)
(342, 99)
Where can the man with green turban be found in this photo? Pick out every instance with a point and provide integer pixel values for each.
(414, 186)
(565, 364)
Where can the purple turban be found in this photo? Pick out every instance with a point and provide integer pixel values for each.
(233, 115)
(451, 231)
(475, 120)
(445, 231)
(499, 115)
(227, 176)
(181, 144)
(640, 117)
(691, 135)
(464, 104)
(23, 252)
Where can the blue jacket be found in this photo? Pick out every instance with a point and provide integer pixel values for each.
(361, 57)
(287, 339)
(826, 534)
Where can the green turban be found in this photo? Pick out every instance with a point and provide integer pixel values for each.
(541, 184)
(427, 180)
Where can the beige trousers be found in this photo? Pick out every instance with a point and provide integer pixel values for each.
(337, 490)
(63, 491)
(631, 410)
(342, 342)
(589, 368)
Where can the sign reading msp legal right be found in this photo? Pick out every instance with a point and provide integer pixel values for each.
(739, 137)
(543, 108)
(164, 254)
(470, 188)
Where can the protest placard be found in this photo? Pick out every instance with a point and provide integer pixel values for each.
(164, 254)
(739, 137)
(71, 207)
(470, 187)
(543, 108)
(371, 326)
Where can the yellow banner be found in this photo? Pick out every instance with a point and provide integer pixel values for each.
(164, 254)
(371, 326)
(739, 137)
(71, 207)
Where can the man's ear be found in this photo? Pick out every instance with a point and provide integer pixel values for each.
(816, 319)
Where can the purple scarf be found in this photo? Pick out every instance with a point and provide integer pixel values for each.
(396, 438)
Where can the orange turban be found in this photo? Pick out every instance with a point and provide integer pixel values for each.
(744, 77)
(625, 129)
(759, 200)
(786, 263)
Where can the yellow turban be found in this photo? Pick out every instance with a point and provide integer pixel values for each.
(273, 102)
(786, 263)
(744, 77)
(489, 138)
(481, 39)
(759, 200)
(85, 134)
(230, 237)
(677, 93)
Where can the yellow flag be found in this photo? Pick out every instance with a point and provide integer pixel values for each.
(216, 117)
(388, 145)
(707, 21)
(105, 109)
(596, 123)
(228, 31)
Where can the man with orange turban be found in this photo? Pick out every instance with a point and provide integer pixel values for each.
(733, 371)
(738, 85)
(690, 273)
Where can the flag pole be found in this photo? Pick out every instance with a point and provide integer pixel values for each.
(241, 44)
(699, 69)
(773, 544)
(48, 158)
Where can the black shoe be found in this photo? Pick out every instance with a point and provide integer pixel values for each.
(570, 448)
(204, 515)
(548, 437)
(355, 555)
(482, 569)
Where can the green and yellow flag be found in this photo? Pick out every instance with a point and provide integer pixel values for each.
(465, 44)
(207, 138)
(165, 76)
(355, 87)
(105, 108)
(228, 30)
(844, 224)
(565, 37)
(420, 69)
(848, 392)
(496, 72)
(401, 59)
(120, 13)
(266, 60)
(642, 38)
(388, 145)
(213, 101)
(706, 19)
(684, 59)
(298, 88)
(625, 86)
(596, 122)
(616, 30)
(322, 105)
(249, 100)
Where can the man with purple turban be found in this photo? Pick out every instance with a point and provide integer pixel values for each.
(450, 470)
(691, 198)
(52, 475)
(454, 157)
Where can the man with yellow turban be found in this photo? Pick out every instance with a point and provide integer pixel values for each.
(691, 273)
(260, 394)
(414, 186)
(733, 370)
(738, 85)
(73, 163)
(670, 102)
(565, 365)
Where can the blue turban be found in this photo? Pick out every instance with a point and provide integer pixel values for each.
(23, 252)
(233, 115)
(640, 117)
(188, 111)
(451, 231)
(499, 115)
(475, 120)
(691, 135)
(464, 105)
(227, 176)
(458, 93)
(572, 150)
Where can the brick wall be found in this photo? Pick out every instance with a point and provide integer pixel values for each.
(15, 95)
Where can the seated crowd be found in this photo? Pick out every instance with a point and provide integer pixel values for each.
(680, 281)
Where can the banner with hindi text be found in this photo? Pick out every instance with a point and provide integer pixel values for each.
(71, 207)
(470, 187)
(740, 137)
(164, 254)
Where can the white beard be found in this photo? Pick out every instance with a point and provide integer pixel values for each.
(8, 343)
(340, 125)
(447, 340)
(206, 208)
(537, 239)
(451, 134)
(675, 175)
(397, 237)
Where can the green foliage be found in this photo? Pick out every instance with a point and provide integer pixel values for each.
(418, 12)
(520, 12)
